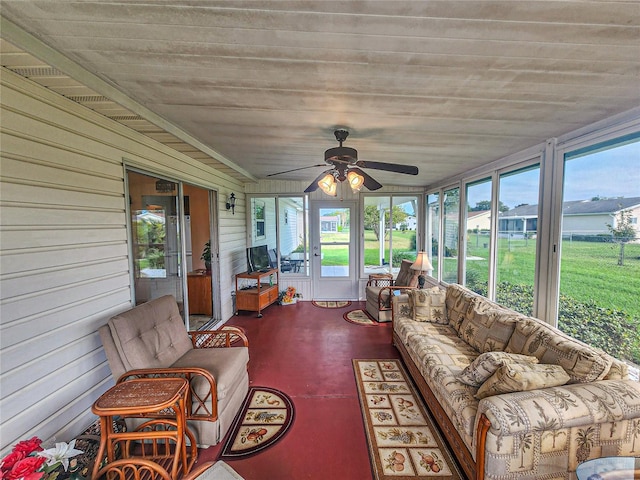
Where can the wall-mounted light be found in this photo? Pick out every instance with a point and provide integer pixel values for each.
(231, 203)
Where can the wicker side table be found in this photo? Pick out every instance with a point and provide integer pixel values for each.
(162, 400)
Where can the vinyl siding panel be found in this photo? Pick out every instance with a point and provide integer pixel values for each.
(64, 258)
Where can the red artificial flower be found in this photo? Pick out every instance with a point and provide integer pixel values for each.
(28, 446)
(27, 468)
(10, 460)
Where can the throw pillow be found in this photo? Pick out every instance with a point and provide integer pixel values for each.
(486, 364)
(488, 330)
(428, 305)
(522, 377)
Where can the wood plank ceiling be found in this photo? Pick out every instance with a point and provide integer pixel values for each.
(257, 87)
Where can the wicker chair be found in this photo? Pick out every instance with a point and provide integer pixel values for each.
(379, 290)
(143, 469)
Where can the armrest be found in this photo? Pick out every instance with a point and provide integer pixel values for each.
(389, 291)
(196, 406)
(224, 337)
(556, 408)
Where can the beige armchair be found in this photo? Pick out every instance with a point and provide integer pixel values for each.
(379, 290)
(151, 340)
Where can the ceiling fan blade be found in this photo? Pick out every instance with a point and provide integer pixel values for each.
(314, 185)
(369, 182)
(296, 169)
(389, 167)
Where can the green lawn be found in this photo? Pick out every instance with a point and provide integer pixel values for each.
(589, 270)
(402, 242)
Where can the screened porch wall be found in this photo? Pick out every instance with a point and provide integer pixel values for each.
(64, 252)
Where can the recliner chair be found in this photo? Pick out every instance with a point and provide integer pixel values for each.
(151, 340)
(379, 290)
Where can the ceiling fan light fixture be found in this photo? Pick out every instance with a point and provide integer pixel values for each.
(328, 184)
(356, 181)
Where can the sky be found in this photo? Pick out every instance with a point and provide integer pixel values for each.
(614, 172)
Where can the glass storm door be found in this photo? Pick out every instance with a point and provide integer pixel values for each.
(333, 250)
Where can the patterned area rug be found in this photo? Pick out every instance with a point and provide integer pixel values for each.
(403, 441)
(336, 304)
(265, 417)
(359, 317)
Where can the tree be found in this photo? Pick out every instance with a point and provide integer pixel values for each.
(484, 205)
(622, 232)
(372, 218)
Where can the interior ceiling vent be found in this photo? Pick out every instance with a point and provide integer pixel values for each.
(31, 72)
(88, 98)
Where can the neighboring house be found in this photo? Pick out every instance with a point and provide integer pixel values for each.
(410, 223)
(480, 219)
(579, 217)
(329, 223)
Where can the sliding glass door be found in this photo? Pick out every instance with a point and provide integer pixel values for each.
(155, 234)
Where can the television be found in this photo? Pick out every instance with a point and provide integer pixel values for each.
(258, 258)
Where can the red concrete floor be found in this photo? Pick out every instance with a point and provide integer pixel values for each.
(306, 352)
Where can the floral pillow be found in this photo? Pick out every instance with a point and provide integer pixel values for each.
(486, 364)
(521, 377)
(428, 305)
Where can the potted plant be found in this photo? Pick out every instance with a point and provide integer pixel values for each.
(206, 256)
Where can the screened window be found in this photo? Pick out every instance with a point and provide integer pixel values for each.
(600, 248)
(517, 237)
(292, 236)
(280, 223)
(433, 230)
(478, 218)
(450, 233)
(390, 229)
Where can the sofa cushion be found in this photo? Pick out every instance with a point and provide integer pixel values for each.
(488, 363)
(428, 305)
(440, 356)
(488, 329)
(583, 363)
(521, 377)
(227, 365)
(151, 335)
(458, 300)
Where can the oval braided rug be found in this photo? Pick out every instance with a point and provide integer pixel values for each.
(264, 418)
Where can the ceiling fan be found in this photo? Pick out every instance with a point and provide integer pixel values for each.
(346, 166)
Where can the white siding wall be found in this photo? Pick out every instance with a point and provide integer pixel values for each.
(64, 254)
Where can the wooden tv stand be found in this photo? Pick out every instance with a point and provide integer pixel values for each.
(254, 291)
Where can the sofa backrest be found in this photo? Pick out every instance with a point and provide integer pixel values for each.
(458, 300)
(151, 335)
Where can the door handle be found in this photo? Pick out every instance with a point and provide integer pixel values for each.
(316, 254)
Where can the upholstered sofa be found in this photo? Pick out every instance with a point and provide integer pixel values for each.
(379, 288)
(151, 340)
(515, 397)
